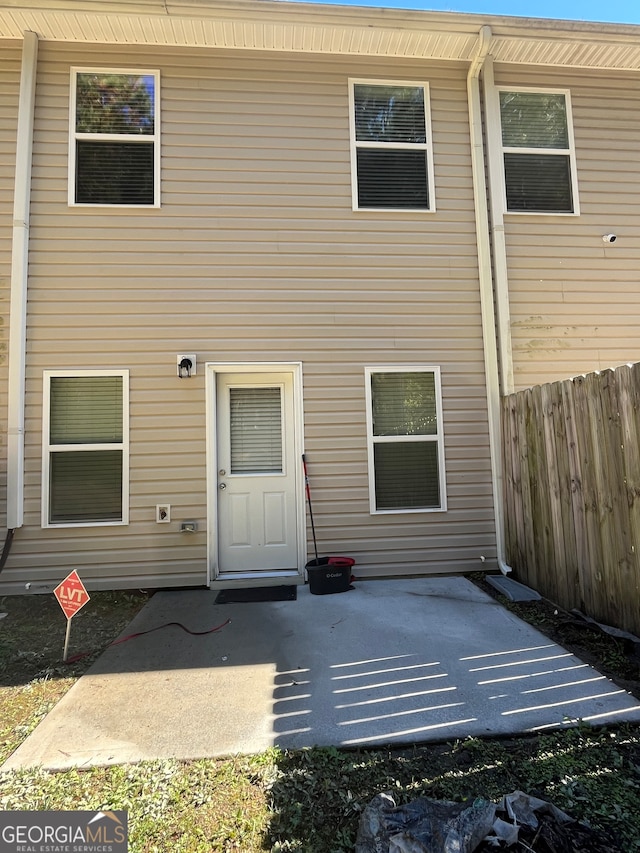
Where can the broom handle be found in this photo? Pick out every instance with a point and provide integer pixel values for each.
(306, 485)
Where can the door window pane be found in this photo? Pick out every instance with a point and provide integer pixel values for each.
(256, 430)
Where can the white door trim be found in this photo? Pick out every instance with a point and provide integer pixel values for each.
(215, 577)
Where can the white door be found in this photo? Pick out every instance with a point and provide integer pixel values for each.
(256, 473)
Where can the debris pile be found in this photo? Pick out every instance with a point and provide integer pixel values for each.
(519, 821)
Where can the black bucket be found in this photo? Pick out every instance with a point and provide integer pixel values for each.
(329, 574)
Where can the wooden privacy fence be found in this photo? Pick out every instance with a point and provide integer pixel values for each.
(572, 492)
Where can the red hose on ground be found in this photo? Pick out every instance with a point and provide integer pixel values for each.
(81, 655)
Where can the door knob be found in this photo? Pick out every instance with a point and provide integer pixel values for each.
(222, 486)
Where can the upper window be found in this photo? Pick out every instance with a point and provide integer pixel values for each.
(391, 160)
(85, 444)
(406, 447)
(114, 156)
(539, 156)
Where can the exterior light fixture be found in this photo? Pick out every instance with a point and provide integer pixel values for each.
(186, 363)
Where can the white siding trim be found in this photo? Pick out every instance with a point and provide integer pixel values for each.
(47, 447)
(116, 137)
(439, 438)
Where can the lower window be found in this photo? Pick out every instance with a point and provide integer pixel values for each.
(405, 440)
(85, 448)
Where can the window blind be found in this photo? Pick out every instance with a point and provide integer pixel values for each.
(85, 486)
(404, 404)
(538, 182)
(115, 138)
(85, 477)
(393, 179)
(534, 120)
(256, 430)
(405, 440)
(406, 475)
(537, 178)
(389, 113)
(390, 137)
(85, 409)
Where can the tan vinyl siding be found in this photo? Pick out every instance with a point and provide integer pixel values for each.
(575, 300)
(9, 94)
(256, 255)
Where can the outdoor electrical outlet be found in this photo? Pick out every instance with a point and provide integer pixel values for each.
(163, 513)
(188, 526)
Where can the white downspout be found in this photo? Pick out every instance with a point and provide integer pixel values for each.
(19, 278)
(487, 307)
(495, 169)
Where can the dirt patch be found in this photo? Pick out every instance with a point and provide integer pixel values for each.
(33, 631)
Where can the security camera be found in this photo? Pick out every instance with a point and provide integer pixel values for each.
(609, 238)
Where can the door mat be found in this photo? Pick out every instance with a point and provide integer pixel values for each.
(261, 593)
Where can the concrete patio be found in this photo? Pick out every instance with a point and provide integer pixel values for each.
(390, 662)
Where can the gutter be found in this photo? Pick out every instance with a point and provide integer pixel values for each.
(19, 279)
(485, 274)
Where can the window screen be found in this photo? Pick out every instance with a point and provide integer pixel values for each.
(115, 138)
(538, 151)
(390, 135)
(85, 449)
(405, 440)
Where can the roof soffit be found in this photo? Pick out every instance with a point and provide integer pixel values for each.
(290, 27)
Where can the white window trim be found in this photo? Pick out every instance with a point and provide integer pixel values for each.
(372, 440)
(411, 146)
(147, 139)
(571, 150)
(48, 448)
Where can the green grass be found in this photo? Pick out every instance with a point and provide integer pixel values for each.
(311, 800)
